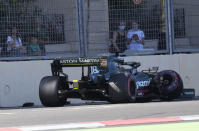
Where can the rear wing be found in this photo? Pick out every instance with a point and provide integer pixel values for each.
(79, 62)
(57, 64)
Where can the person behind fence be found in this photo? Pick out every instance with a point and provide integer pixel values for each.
(41, 31)
(14, 43)
(119, 43)
(135, 37)
(34, 48)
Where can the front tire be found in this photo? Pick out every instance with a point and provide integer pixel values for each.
(49, 89)
(169, 84)
(122, 88)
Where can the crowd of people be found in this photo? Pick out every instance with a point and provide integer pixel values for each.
(127, 38)
(124, 38)
(14, 45)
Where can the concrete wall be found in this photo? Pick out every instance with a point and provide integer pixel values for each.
(97, 20)
(19, 81)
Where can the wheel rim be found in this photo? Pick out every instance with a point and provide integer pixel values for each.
(166, 81)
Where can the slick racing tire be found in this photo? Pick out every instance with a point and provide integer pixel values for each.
(169, 84)
(49, 89)
(122, 88)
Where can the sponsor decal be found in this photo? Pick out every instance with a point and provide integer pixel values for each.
(142, 92)
(94, 70)
(103, 62)
(80, 61)
(68, 61)
(143, 83)
(88, 60)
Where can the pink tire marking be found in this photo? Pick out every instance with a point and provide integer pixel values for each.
(140, 121)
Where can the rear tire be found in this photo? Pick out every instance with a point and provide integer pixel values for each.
(122, 88)
(49, 91)
(169, 84)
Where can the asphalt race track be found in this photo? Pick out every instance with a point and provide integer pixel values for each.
(94, 111)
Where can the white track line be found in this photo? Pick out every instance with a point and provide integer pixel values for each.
(66, 126)
(6, 113)
(189, 118)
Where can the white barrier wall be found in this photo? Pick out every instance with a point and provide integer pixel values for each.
(19, 81)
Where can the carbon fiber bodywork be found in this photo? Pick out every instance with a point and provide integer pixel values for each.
(111, 78)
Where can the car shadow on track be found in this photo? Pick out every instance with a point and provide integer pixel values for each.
(77, 102)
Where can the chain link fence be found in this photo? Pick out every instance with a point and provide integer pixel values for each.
(113, 24)
(47, 29)
(38, 29)
(186, 27)
(144, 22)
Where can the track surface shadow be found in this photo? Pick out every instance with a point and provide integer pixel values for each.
(78, 102)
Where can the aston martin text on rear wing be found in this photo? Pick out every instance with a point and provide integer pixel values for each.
(76, 62)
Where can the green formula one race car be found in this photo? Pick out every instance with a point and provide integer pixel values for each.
(108, 79)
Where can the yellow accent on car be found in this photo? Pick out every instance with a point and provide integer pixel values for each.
(75, 84)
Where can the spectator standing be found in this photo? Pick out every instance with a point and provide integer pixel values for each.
(135, 37)
(119, 43)
(14, 43)
(41, 31)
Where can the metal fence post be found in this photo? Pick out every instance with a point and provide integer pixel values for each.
(81, 27)
(170, 25)
(78, 25)
(84, 28)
